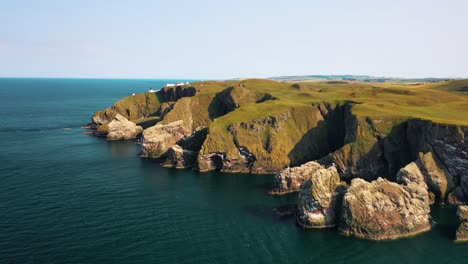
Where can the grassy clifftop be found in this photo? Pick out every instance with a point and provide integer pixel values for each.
(263, 125)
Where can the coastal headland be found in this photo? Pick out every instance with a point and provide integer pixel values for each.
(366, 157)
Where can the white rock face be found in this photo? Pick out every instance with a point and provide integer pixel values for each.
(381, 209)
(158, 139)
(120, 128)
(320, 199)
(290, 179)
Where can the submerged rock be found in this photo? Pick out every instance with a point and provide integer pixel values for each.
(158, 139)
(381, 209)
(120, 128)
(320, 199)
(462, 231)
(290, 179)
(180, 158)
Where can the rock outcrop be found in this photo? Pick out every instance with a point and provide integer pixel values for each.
(120, 128)
(438, 180)
(320, 199)
(158, 139)
(290, 179)
(381, 209)
(179, 158)
(462, 231)
(449, 147)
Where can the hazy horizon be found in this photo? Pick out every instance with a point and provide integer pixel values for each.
(244, 39)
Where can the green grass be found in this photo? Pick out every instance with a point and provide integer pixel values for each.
(304, 130)
(432, 101)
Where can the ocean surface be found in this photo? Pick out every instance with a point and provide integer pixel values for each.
(67, 197)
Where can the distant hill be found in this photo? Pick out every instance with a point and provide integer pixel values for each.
(360, 78)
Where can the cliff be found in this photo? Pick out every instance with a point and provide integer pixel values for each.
(329, 141)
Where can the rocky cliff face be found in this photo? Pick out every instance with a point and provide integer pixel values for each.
(319, 201)
(462, 231)
(448, 161)
(158, 139)
(394, 166)
(120, 128)
(270, 144)
(290, 179)
(179, 158)
(381, 209)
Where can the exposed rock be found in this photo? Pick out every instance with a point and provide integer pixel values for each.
(462, 231)
(211, 161)
(373, 148)
(157, 139)
(290, 179)
(449, 147)
(320, 199)
(411, 174)
(381, 209)
(120, 128)
(438, 180)
(179, 158)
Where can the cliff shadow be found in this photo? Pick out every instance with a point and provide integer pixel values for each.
(327, 136)
(374, 156)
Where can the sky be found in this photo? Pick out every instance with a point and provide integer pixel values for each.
(214, 39)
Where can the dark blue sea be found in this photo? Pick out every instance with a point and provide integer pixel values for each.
(68, 197)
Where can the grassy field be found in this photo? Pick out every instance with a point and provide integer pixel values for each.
(284, 124)
(443, 102)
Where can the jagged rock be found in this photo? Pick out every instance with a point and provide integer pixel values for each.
(290, 179)
(372, 148)
(381, 209)
(211, 161)
(120, 128)
(438, 180)
(449, 144)
(157, 139)
(411, 174)
(462, 231)
(320, 199)
(179, 158)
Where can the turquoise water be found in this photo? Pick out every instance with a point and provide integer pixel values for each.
(67, 197)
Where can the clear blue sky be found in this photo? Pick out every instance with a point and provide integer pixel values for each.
(226, 39)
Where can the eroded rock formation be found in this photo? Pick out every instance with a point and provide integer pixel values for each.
(179, 158)
(320, 198)
(158, 139)
(290, 179)
(120, 128)
(462, 231)
(381, 209)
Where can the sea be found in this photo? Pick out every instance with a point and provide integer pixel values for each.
(68, 197)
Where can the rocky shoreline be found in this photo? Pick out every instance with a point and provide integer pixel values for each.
(369, 177)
